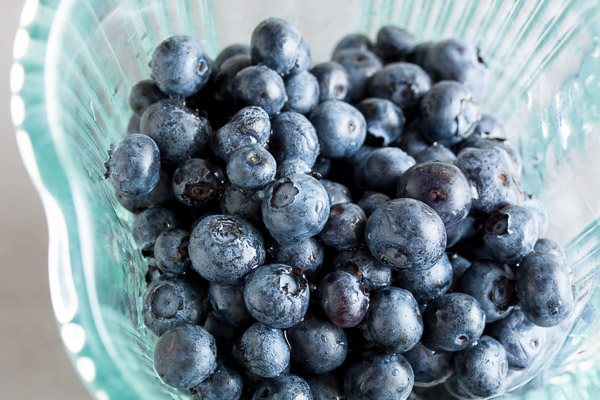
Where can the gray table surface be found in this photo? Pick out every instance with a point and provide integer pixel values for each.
(33, 363)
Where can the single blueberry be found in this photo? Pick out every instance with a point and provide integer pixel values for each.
(179, 132)
(379, 376)
(244, 205)
(276, 44)
(341, 128)
(283, 387)
(360, 263)
(322, 166)
(295, 207)
(161, 195)
(489, 128)
(481, 369)
(318, 346)
(277, 295)
(448, 113)
(185, 356)
(372, 200)
(360, 65)
(419, 53)
(441, 186)
(227, 302)
(336, 192)
(549, 246)
(344, 227)
(264, 350)
(394, 44)
(293, 137)
(251, 125)
(344, 298)
(510, 152)
(223, 384)
(223, 80)
(292, 166)
(251, 167)
(307, 254)
(430, 367)
(224, 248)
(545, 289)
(411, 140)
(353, 41)
(261, 87)
(133, 166)
(143, 94)
(385, 121)
(302, 91)
(428, 284)
(180, 66)
(453, 322)
(380, 169)
(328, 386)
(149, 224)
(334, 83)
(406, 233)
(540, 214)
(394, 321)
(435, 152)
(229, 52)
(171, 251)
(510, 233)
(171, 301)
(198, 182)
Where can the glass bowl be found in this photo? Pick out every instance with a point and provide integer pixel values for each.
(76, 60)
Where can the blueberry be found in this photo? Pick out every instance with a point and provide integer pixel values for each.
(277, 295)
(360, 65)
(143, 94)
(227, 302)
(198, 182)
(318, 346)
(224, 248)
(261, 87)
(344, 227)
(448, 113)
(161, 195)
(360, 263)
(294, 137)
(481, 369)
(303, 92)
(304, 61)
(223, 80)
(224, 334)
(419, 53)
(453, 322)
(275, 43)
(336, 192)
(402, 83)
(172, 301)
(180, 66)
(322, 166)
(292, 166)
(429, 366)
(490, 173)
(148, 224)
(179, 132)
(510, 152)
(394, 321)
(353, 41)
(385, 121)
(185, 356)
(341, 128)
(459, 265)
(544, 288)
(428, 284)
(406, 233)
(251, 167)
(251, 125)
(224, 384)
(372, 200)
(459, 61)
(229, 52)
(435, 152)
(411, 141)
(510, 233)
(539, 212)
(307, 254)
(284, 387)
(244, 205)
(489, 128)
(328, 386)
(264, 350)
(171, 251)
(295, 207)
(380, 169)
(334, 83)
(133, 166)
(549, 246)
(441, 186)
(379, 376)
(492, 285)
(394, 44)
(344, 298)
(523, 341)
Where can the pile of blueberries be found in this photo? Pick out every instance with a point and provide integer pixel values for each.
(353, 230)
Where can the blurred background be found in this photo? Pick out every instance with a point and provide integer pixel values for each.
(33, 363)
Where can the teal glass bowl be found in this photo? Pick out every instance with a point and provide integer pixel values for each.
(76, 60)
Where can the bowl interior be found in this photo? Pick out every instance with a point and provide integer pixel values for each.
(543, 58)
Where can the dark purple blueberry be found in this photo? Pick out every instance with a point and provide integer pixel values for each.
(276, 44)
(229, 52)
(198, 182)
(336, 192)
(361, 65)
(481, 369)
(344, 298)
(435, 152)
(251, 168)
(385, 121)
(379, 376)
(283, 387)
(171, 251)
(328, 386)
(143, 94)
(380, 169)
(344, 227)
(224, 384)
(459, 265)
(264, 350)
(259, 86)
(291, 167)
(293, 137)
(429, 366)
(394, 44)
(426, 285)
(302, 91)
(549, 246)
(150, 223)
(353, 41)
(241, 204)
(372, 200)
(411, 141)
(510, 233)
(305, 254)
(361, 263)
(157, 197)
(228, 304)
(334, 83)
(223, 80)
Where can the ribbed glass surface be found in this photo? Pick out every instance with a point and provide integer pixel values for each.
(76, 60)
